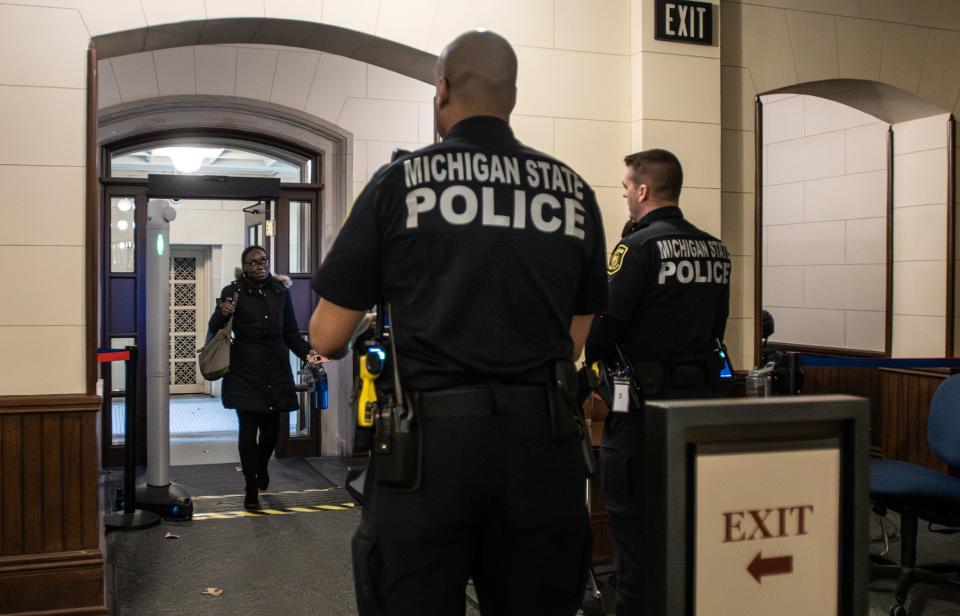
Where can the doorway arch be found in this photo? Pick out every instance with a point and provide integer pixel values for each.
(282, 128)
(129, 120)
(139, 119)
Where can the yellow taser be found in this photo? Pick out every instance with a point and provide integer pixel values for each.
(370, 368)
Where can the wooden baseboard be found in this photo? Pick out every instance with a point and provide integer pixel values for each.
(74, 611)
(50, 403)
(53, 584)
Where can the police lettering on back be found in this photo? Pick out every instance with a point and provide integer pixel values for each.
(462, 204)
(693, 261)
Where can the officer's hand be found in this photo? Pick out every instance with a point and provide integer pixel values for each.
(227, 307)
(316, 358)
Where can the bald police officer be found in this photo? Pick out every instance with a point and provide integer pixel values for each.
(669, 296)
(491, 257)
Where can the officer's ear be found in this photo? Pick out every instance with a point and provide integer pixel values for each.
(443, 93)
(643, 192)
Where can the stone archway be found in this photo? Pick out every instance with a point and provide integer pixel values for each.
(316, 133)
(327, 38)
(143, 118)
(122, 122)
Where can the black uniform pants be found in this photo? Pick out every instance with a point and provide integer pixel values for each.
(255, 454)
(621, 467)
(501, 502)
(622, 450)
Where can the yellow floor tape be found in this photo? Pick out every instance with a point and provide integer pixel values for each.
(226, 515)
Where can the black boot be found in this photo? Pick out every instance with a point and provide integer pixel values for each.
(250, 500)
(263, 480)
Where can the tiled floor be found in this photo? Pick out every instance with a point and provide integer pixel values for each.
(188, 415)
(272, 564)
(201, 430)
(216, 448)
(300, 563)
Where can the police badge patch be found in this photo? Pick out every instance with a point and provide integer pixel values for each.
(616, 259)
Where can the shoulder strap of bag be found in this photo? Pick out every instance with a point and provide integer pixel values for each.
(236, 296)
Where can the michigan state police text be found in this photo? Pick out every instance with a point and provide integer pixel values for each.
(459, 203)
(697, 261)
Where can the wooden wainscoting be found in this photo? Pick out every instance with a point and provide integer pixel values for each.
(904, 403)
(863, 382)
(51, 556)
(899, 406)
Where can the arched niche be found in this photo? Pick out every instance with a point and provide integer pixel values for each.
(854, 220)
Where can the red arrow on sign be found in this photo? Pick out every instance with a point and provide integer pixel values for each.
(777, 565)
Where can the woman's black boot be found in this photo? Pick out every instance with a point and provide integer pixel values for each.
(250, 500)
(263, 480)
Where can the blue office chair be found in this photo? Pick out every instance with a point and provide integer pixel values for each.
(918, 493)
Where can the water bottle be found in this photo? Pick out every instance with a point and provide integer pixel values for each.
(322, 394)
(758, 382)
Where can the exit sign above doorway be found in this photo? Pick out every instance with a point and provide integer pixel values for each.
(684, 21)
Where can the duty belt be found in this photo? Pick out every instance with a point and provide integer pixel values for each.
(657, 377)
(493, 399)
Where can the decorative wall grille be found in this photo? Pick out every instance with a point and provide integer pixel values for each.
(185, 324)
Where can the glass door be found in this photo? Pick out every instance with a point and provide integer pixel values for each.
(297, 256)
(123, 285)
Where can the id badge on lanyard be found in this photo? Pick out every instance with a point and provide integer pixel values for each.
(621, 394)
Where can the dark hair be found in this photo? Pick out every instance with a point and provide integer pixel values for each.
(248, 250)
(658, 169)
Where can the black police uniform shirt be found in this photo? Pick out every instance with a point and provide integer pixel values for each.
(484, 249)
(669, 289)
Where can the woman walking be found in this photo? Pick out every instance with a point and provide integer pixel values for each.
(260, 383)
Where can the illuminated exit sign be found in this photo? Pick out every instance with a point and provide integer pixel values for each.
(684, 21)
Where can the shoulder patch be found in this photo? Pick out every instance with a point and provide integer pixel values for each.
(616, 259)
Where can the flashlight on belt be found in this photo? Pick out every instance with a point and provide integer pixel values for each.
(371, 366)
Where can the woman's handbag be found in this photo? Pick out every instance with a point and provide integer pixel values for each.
(214, 357)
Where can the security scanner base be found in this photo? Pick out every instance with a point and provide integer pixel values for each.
(170, 501)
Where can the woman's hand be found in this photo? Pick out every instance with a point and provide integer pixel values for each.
(227, 307)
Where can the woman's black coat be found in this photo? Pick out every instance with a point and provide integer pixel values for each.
(264, 328)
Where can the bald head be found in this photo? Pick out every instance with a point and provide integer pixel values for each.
(476, 75)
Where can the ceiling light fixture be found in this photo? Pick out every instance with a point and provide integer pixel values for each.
(187, 159)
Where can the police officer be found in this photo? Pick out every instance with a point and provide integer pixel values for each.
(491, 256)
(669, 295)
